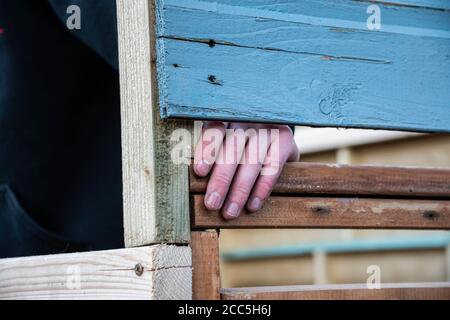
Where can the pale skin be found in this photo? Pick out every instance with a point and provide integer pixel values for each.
(236, 185)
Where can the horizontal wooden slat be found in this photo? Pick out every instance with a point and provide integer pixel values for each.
(429, 4)
(309, 178)
(405, 291)
(319, 212)
(150, 273)
(245, 60)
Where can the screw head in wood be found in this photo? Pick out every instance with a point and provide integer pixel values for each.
(139, 269)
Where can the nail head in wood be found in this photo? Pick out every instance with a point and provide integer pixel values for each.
(139, 269)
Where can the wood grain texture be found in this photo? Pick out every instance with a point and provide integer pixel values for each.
(404, 291)
(319, 212)
(205, 264)
(311, 62)
(155, 190)
(166, 274)
(312, 178)
(428, 4)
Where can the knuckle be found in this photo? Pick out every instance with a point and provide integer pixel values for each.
(212, 134)
(264, 187)
(274, 163)
(222, 178)
(241, 189)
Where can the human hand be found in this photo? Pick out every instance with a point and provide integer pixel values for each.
(246, 160)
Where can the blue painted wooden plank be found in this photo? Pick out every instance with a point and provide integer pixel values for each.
(431, 4)
(311, 62)
(361, 245)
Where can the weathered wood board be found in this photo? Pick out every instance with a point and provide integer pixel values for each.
(302, 178)
(404, 291)
(206, 265)
(163, 272)
(311, 62)
(320, 212)
(152, 213)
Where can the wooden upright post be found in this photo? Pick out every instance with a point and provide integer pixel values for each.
(205, 261)
(155, 190)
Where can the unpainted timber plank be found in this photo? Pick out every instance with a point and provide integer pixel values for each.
(149, 273)
(155, 189)
(404, 291)
(205, 264)
(311, 178)
(320, 212)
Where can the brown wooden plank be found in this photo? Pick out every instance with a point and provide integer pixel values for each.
(310, 178)
(205, 264)
(404, 291)
(320, 212)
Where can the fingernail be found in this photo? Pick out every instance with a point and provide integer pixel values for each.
(213, 201)
(202, 168)
(232, 210)
(255, 204)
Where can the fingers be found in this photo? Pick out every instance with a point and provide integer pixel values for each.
(245, 178)
(208, 147)
(243, 175)
(282, 149)
(295, 152)
(224, 170)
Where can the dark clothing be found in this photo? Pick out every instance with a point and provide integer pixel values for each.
(60, 156)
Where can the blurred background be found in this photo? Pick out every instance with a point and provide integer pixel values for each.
(290, 257)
